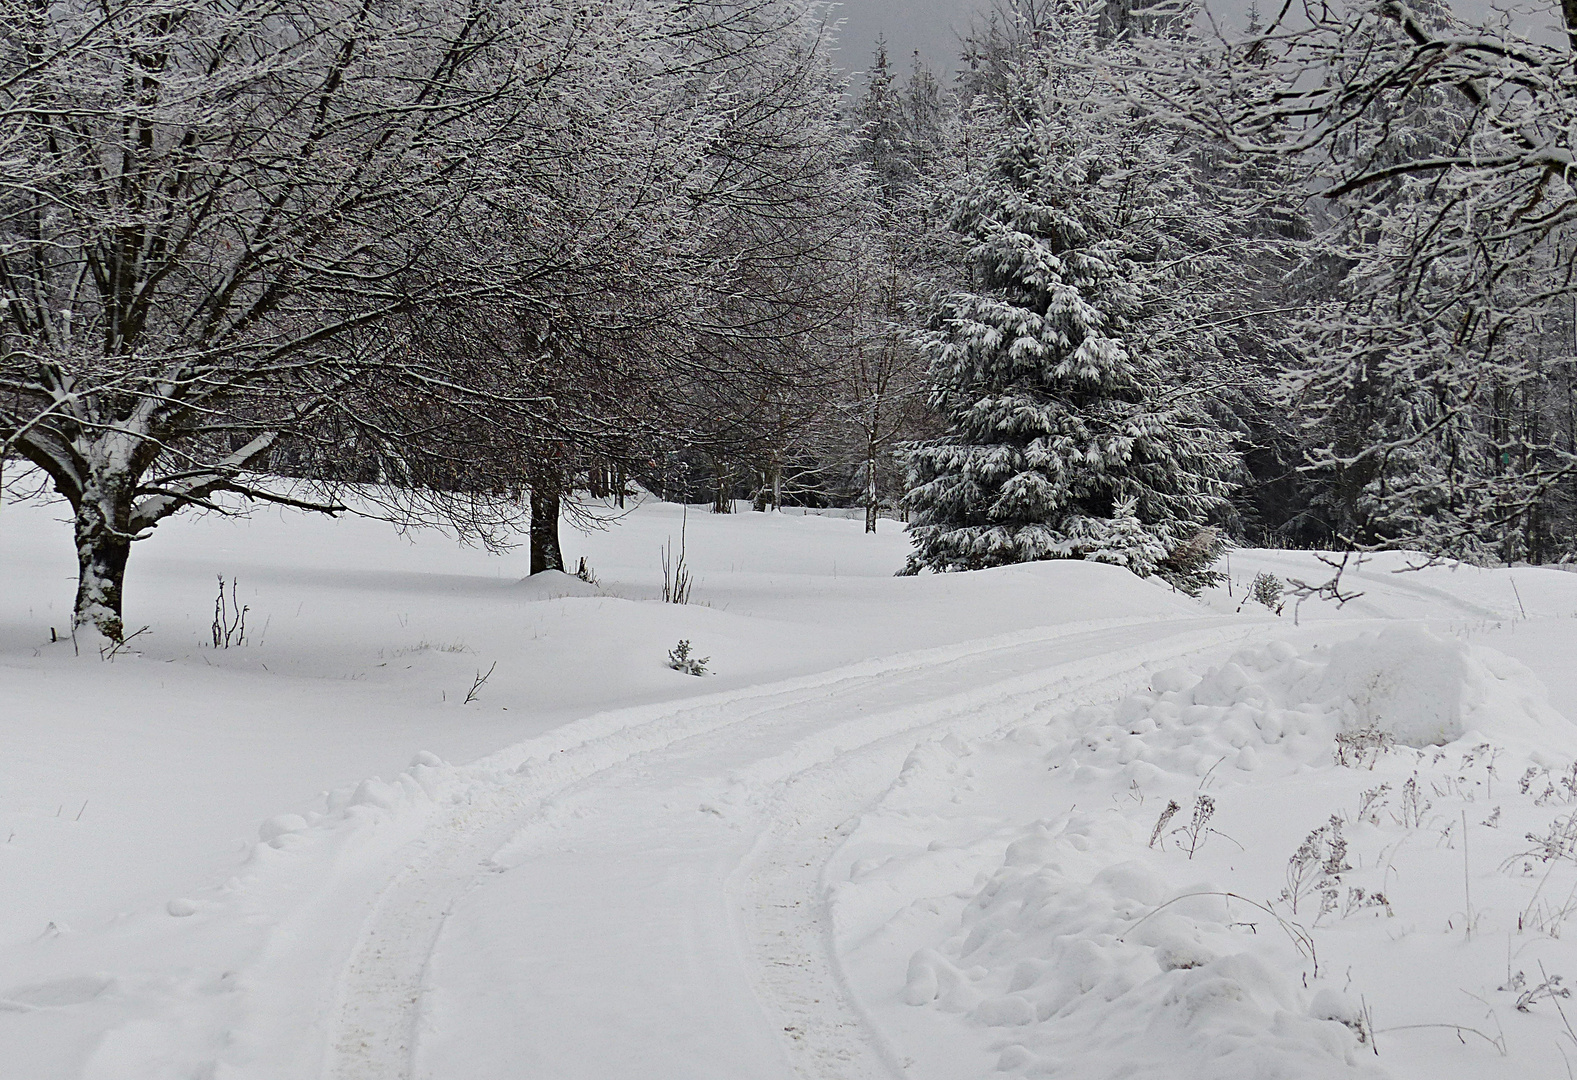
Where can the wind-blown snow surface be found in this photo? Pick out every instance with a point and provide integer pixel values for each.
(1155, 917)
(904, 830)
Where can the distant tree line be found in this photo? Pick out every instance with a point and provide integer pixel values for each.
(1126, 286)
(1299, 283)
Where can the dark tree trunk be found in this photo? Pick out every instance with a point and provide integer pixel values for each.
(545, 551)
(103, 545)
(872, 495)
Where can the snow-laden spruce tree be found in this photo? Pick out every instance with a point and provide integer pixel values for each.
(1073, 368)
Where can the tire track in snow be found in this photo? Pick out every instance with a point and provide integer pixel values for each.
(780, 890)
(375, 1021)
(374, 1017)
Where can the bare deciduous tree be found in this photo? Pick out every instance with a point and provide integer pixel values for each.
(227, 227)
(1444, 151)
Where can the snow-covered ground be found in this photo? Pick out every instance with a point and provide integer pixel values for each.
(909, 826)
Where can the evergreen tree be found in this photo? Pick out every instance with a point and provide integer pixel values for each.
(882, 138)
(1070, 372)
(924, 110)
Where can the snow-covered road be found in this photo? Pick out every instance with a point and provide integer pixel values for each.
(646, 903)
(903, 830)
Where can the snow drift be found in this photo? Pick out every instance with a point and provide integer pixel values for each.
(1423, 690)
(1128, 923)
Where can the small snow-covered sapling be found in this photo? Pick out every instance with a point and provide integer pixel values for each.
(1267, 591)
(682, 658)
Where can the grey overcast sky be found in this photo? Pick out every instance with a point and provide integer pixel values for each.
(933, 26)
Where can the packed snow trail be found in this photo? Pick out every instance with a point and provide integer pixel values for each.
(645, 902)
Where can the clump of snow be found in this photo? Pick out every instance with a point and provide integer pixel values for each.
(275, 827)
(1405, 682)
(1072, 958)
(1422, 690)
(555, 585)
(1331, 1004)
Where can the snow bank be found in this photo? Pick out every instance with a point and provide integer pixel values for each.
(1104, 940)
(1407, 685)
(1086, 967)
(554, 585)
(1426, 691)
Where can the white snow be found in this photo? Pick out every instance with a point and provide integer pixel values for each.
(1103, 937)
(904, 829)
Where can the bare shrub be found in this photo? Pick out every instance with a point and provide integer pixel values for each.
(682, 658)
(229, 626)
(1317, 867)
(1362, 747)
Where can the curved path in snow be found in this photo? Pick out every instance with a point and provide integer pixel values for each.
(647, 902)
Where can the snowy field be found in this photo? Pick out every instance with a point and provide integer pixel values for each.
(1047, 820)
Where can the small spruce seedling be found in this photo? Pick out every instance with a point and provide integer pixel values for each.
(682, 658)
(1267, 590)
